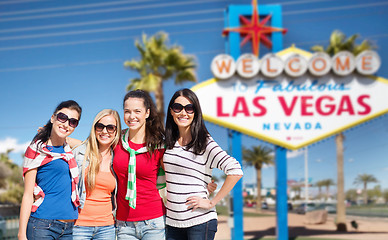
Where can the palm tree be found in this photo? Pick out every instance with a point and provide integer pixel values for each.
(385, 195)
(5, 169)
(257, 157)
(365, 179)
(341, 208)
(320, 184)
(159, 62)
(351, 195)
(338, 42)
(327, 183)
(10, 180)
(297, 189)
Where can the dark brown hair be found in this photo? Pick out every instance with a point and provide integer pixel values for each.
(154, 127)
(44, 134)
(199, 133)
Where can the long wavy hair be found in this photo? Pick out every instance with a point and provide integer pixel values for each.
(92, 148)
(198, 130)
(44, 134)
(154, 132)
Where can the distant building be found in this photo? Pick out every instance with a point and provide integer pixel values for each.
(251, 190)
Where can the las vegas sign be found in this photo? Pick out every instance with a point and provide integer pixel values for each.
(293, 98)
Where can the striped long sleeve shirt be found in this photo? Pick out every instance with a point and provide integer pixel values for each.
(188, 174)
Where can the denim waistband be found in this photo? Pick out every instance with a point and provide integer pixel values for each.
(134, 223)
(53, 221)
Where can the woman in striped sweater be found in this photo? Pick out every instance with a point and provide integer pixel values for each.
(191, 154)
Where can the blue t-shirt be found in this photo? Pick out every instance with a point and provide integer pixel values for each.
(55, 180)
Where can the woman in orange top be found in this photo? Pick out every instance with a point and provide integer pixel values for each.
(97, 182)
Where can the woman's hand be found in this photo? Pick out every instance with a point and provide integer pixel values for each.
(211, 187)
(198, 202)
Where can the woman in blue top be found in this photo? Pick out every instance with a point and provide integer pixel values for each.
(50, 173)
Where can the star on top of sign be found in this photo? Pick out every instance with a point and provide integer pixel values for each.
(255, 30)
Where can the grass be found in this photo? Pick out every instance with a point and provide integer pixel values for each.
(368, 210)
(223, 211)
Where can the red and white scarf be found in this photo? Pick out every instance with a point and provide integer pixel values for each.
(36, 157)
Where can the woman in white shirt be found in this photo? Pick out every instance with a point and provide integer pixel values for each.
(191, 154)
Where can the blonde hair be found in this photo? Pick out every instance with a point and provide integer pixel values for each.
(92, 151)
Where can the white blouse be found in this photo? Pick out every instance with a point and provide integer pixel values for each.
(188, 174)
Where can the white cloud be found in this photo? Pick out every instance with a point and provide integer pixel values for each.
(318, 160)
(266, 166)
(12, 143)
(351, 160)
(294, 154)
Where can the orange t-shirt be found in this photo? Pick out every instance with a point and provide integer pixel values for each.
(97, 209)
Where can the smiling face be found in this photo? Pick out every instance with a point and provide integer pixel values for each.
(182, 119)
(135, 114)
(103, 137)
(62, 130)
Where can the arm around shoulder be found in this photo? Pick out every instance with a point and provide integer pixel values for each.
(73, 142)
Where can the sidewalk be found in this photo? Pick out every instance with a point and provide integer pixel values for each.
(265, 227)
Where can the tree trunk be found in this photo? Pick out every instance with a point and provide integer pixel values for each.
(341, 211)
(258, 198)
(365, 193)
(159, 98)
(327, 192)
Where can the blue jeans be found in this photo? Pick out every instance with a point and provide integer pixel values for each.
(153, 229)
(48, 229)
(88, 233)
(204, 231)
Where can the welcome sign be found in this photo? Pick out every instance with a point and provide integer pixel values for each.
(293, 112)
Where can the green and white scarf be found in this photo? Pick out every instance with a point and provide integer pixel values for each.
(131, 186)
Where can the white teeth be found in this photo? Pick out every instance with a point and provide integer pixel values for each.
(63, 130)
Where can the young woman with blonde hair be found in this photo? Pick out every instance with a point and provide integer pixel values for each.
(97, 182)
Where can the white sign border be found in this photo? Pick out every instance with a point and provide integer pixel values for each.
(265, 138)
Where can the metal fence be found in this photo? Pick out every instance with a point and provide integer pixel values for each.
(9, 227)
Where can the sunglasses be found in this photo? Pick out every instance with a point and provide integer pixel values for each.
(177, 108)
(99, 127)
(61, 117)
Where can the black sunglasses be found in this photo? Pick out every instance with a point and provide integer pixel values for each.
(99, 127)
(61, 117)
(177, 108)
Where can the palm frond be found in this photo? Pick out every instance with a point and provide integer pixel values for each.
(365, 45)
(257, 156)
(336, 38)
(338, 42)
(159, 62)
(133, 65)
(133, 84)
(317, 48)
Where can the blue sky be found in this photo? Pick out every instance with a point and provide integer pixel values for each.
(57, 50)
